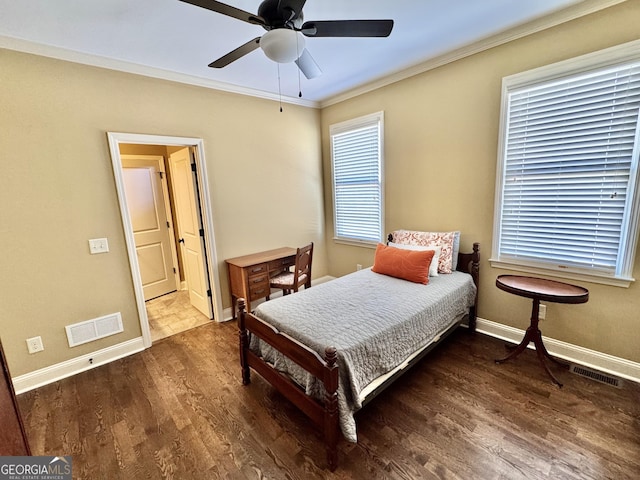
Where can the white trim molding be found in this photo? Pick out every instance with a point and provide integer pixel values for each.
(59, 53)
(572, 353)
(590, 358)
(53, 373)
(115, 139)
(564, 15)
(577, 10)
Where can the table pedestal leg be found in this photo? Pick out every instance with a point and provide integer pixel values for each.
(533, 334)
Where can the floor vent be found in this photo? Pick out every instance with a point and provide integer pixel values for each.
(595, 375)
(91, 330)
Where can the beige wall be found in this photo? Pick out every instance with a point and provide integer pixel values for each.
(266, 172)
(441, 132)
(57, 190)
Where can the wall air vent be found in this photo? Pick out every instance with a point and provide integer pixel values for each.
(91, 330)
(595, 375)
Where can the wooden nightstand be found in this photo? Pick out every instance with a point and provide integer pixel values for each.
(539, 289)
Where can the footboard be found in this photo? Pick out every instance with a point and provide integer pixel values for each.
(323, 414)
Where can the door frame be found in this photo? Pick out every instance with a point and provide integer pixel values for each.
(115, 139)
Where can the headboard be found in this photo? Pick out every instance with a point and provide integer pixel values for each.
(468, 262)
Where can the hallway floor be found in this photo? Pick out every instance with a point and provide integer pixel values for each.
(171, 314)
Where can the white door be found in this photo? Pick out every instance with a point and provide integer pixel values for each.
(146, 192)
(189, 226)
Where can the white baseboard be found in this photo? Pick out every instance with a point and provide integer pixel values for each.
(320, 280)
(53, 373)
(572, 353)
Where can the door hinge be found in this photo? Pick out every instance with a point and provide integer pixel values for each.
(174, 270)
(202, 232)
(209, 293)
(168, 224)
(161, 175)
(193, 167)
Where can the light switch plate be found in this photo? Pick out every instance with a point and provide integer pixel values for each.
(98, 245)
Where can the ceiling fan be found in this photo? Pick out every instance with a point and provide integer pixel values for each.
(284, 41)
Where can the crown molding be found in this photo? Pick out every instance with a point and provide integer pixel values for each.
(573, 12)
(559, 17)
(12, 43)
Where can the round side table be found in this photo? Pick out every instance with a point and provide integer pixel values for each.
(539, 289)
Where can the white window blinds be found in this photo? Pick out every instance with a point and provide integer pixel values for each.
(570, 149)
(356, 149)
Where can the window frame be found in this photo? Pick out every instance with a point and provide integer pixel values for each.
(611, 57)
(344, 127)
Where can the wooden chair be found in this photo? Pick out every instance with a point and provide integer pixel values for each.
(291, 281)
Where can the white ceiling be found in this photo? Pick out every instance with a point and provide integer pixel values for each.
(175, 40)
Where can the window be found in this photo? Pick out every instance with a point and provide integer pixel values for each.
(356, 159)
(567, 197)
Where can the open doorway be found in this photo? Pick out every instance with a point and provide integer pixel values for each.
(165, 207)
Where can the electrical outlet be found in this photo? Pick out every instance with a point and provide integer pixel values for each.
(34, 345)
(98, 245)
(358, 266)
(542, 312)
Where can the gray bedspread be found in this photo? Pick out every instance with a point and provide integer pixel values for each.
(374, 321)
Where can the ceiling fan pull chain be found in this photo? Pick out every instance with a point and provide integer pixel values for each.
(299, 54)
(279, 89)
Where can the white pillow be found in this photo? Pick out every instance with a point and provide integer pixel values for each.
(433, 268)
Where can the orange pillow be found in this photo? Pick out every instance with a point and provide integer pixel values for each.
(411, 265)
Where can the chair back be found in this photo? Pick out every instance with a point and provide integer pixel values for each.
(302, 272)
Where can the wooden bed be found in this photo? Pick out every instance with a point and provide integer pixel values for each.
(324, 412)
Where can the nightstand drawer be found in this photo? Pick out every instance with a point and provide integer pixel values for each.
(255, 280)
(259, 290)
(256, 269)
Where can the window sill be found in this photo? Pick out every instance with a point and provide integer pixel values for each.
(563, 273)
(356, 243)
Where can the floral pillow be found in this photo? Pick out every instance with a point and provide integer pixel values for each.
(444, 240)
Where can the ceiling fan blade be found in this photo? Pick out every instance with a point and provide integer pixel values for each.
(308, 65)
(348, 28)
(227, 10)
(234, 55)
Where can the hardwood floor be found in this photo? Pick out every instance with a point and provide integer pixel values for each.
(179, 410)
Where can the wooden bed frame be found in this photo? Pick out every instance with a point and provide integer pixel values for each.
(325, 414)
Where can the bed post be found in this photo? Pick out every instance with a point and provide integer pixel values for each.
(475, 274)
(244, 343)
(331, 426)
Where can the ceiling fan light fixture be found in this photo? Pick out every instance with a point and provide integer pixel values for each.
(282, 45)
